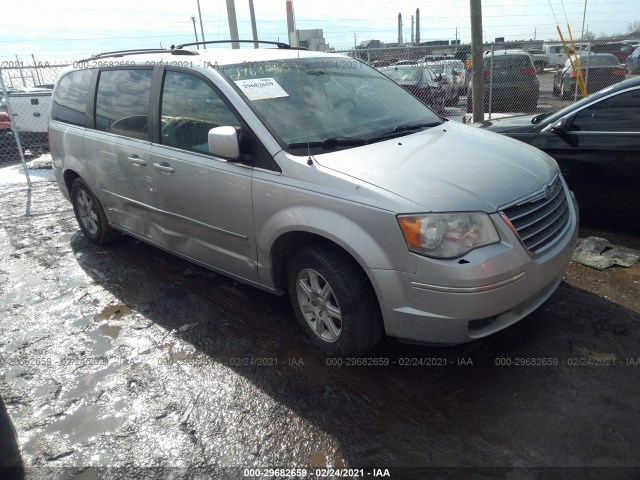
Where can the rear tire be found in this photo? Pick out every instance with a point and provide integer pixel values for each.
(333, 301)
(90, 214)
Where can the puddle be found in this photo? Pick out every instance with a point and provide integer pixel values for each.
(111, 331)
(84, 384)
(101, 344)
(113, 312)
(180, 355)
(85, 422)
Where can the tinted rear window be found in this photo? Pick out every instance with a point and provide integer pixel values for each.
(599, 61)
(508, 61)
(122, 102)
(70, 98)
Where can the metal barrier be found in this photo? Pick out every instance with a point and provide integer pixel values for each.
(25, 102)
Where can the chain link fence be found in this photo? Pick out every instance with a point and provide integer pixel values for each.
(25, 102)
(518, 77)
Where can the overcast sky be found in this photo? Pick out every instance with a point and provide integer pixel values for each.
(73, 29)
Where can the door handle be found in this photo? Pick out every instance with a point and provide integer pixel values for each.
(136, 160)
(164, 167)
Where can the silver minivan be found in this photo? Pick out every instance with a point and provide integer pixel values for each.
(315, 175)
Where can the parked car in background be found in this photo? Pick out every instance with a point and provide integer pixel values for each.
(556, 54)
(406, 62)
(421, 82)
(460, 73)
(30, 115)
(620, 50)
(448, 80)
(596, 142)
(510, 82)
(8, 146)
(599, 70)
(632, 63)
(5, 121)
(540, 59)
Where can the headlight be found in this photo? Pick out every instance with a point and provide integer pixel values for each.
(447, 235)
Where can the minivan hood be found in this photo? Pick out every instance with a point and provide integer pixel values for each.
(451, 167)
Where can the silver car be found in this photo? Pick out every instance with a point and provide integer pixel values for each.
(314, 175)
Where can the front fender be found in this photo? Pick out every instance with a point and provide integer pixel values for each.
(373, 239)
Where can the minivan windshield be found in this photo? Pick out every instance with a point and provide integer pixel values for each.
(331, 102)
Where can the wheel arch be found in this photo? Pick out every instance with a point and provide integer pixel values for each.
(69, 177)
(284, 246)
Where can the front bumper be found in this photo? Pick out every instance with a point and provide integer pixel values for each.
(454, 301)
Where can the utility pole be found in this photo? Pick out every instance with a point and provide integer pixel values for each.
(584, 16)
(417, 25)
(233, 23)
(195, 31)
(477, 77)
(201, 27)
(400, 29)
(254, 28)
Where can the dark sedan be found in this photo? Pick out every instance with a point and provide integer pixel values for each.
(596, 142)
(599, 70)
(421, 82)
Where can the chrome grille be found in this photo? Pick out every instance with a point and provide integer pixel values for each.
(541, 219)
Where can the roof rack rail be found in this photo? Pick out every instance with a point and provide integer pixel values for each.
(137, 51)
(278, 44)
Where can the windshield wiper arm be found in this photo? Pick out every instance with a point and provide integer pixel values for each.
(330, 142)
(403, 129)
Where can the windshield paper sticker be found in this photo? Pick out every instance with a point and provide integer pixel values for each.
(261, 88)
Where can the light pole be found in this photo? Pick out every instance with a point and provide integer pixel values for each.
(193, 19)
(201, 28)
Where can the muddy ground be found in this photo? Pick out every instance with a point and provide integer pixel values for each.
(124, 356)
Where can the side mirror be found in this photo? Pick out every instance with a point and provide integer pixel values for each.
(560, 126)
(224, 142)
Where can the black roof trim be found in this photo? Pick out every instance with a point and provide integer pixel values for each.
(277, 44)
(137, 51)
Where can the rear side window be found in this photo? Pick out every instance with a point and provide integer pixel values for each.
(122, 102)
(70, 98)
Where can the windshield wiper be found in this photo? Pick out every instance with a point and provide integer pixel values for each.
(402, 130)
(538, 118)
(330, 142)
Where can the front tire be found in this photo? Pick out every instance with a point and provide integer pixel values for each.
(333, 301)
(90, 214)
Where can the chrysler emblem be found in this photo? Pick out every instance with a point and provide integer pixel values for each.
(548, 193)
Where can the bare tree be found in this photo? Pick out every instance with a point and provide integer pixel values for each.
(634, 27)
